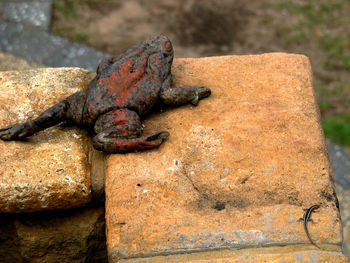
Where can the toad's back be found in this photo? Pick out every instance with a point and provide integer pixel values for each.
(125, 83)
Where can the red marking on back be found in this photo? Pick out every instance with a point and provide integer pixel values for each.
(122, 80)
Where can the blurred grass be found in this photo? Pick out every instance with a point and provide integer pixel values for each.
(66, 7)
(80, 37)
(326, 25)
(337, 128)
(320, 20)
(70, 11)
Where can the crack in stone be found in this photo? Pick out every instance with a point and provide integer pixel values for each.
(184, 172)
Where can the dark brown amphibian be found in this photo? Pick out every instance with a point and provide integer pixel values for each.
(125, 88)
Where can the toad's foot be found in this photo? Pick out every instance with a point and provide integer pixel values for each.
(200, 93)
(175, 96)
(14, 132)
(104, 142)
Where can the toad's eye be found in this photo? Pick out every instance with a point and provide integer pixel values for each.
(167, 46)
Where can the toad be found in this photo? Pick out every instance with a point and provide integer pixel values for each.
(126, 87)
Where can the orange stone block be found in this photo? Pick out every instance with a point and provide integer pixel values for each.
(49, 170)
(235, 172)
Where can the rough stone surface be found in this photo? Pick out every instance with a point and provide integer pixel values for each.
(75, 235)
(49, 170)
(30, 12)
(236, 171)
(273, 254)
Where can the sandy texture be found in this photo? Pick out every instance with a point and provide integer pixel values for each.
(236, 171)
(271, 254)
(49, 170)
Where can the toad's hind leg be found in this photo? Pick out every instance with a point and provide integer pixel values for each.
(120, 131)
(68, 109)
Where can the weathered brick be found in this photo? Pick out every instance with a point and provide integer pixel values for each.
(49, 170)
(236, 171)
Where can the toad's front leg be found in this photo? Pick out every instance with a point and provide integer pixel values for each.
(68, 109)
(175, 96)
(119, 131)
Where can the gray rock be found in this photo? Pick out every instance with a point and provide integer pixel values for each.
(340, 162)
(34, 13)
(37, 45)
(343, 194)
(9, 32)
(76, 55)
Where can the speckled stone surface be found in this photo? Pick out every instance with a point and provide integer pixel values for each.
(49, 170)
(235, 172)
(271, 254)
